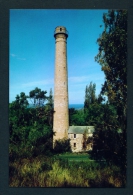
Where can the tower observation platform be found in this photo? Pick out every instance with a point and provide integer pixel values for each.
(60, 30)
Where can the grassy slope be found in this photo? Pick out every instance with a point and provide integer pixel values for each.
(54, 172)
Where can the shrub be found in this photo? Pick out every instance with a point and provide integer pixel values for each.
(62, 146)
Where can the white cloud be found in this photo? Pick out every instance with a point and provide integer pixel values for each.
(21, 58)
(13, 55)
(38, 83)
(78, 79)
(76, 86)
(87, 79)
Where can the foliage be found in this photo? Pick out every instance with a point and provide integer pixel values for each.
(43, 171)
(85, 138)
(31, 128)
(90, 96)
(94, 108)
(101, 114)
(30, 131)
(76, 117)
(106, 146)
(32, 162)
(21, 101)
(112, 57)
(38, 96)
(62, 146)
(50, 108)
(50, 102)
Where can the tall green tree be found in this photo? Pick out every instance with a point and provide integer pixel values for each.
(76, 117)
(112, 57)
(93, 109)
(90, 95)
(49, 108)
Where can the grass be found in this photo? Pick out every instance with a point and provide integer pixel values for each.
(75, 157)
(63, 171)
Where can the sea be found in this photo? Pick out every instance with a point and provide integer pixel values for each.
(76, 106)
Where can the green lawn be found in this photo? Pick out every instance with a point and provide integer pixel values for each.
(75, 157)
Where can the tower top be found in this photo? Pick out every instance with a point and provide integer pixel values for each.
(60, 30)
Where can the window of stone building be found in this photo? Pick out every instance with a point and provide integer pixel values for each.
(74, 144)
(74, 135)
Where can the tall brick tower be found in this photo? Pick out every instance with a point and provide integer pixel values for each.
(61, 118)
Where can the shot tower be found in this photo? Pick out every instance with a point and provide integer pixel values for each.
(61, 118)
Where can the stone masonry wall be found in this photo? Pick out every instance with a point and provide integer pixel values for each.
(61, 120)
(77, 143)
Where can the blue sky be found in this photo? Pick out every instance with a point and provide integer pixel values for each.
(32, 50)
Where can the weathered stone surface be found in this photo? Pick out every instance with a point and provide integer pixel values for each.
(75, 134)
(61, 114)
(61, 118)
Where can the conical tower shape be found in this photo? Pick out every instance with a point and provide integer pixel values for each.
(61, 114)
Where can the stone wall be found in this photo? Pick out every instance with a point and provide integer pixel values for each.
(76, 141)
(61, 116)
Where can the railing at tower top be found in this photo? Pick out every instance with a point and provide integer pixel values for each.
(61, 31)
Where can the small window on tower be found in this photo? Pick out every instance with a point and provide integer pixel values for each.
(60, 29)
(74, 135)
(74, 145)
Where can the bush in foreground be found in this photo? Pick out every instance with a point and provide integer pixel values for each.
(45, 171)
(62, 146)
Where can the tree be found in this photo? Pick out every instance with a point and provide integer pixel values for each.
(85, 140)
(30, 132)
(62, 146)
(18, 121)
(37, 96)
(90, 96)
(50, 102)
(21, 101)
(50, 107)
(93, 107)
(17, 109)
(112, 57)
(76, 117)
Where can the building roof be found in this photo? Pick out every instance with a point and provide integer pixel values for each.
(80, 129)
